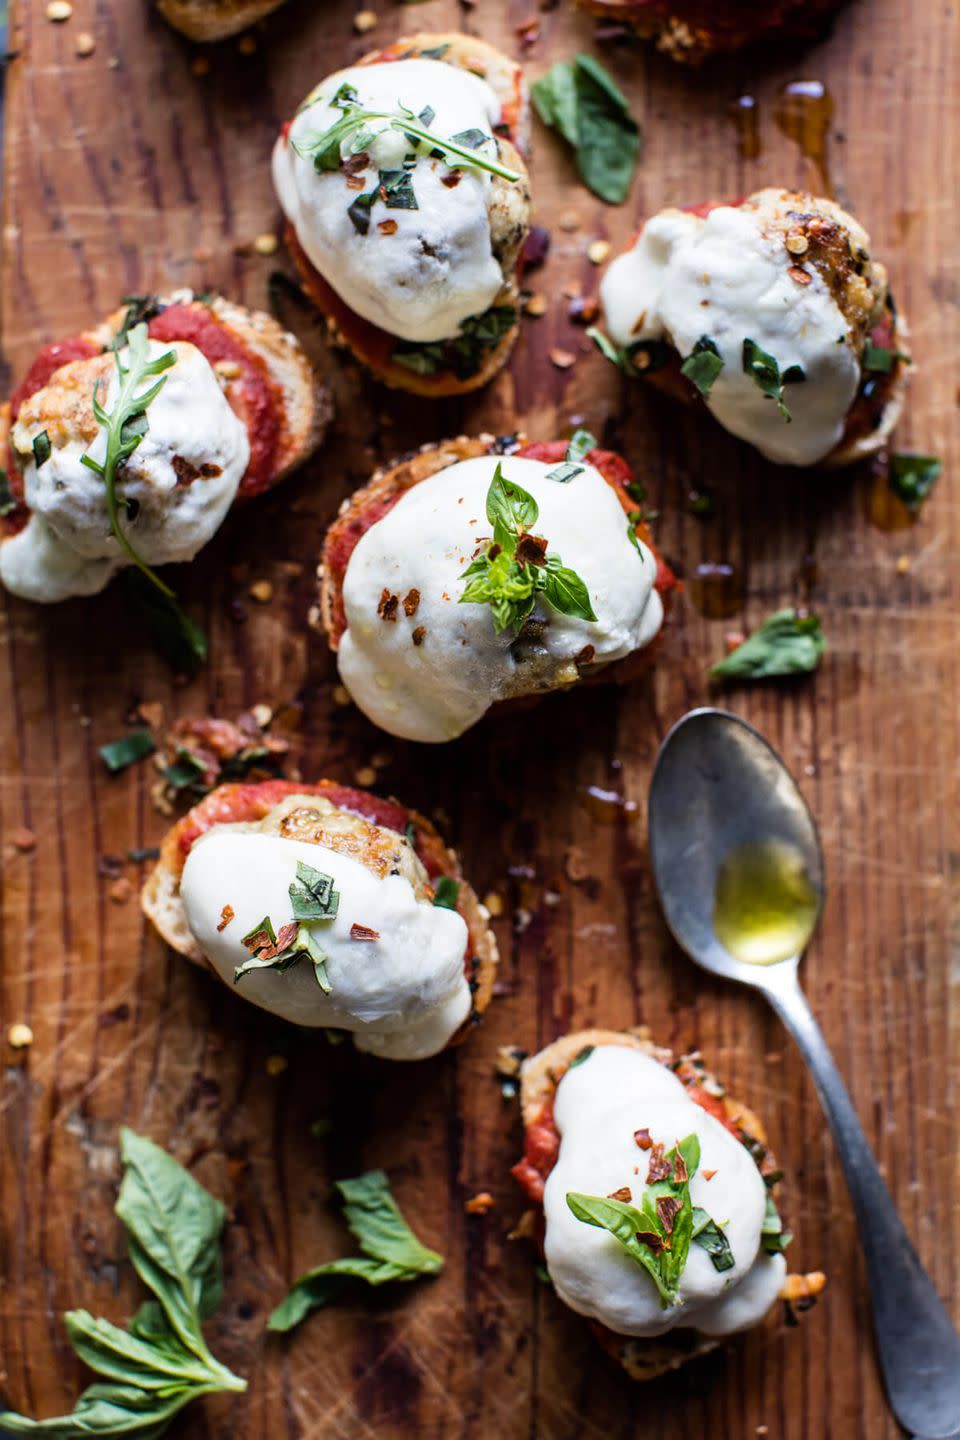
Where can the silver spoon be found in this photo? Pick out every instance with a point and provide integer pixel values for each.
(718, 786)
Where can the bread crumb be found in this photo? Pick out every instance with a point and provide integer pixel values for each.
(803, 1287)
(493, 902)
(261, 591)
(84, 44)
(200, 66)
(120, 891)
(341, 695)
(151, 713)
(569, 221)
(903, 565)
(562, 359)
(265, 244)
(19, 1036)
(247, 45)
(276, 1064)
(480, 1204)
(59, 10)
(598, 251)
(366, 775)
(536, 306)
(365, 20)
(23, 839)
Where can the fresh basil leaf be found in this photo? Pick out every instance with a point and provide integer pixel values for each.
(579, 445)
(912, 477)
(764, 370)
(510, 508)
(785, 644)
(124, 1356)
(42, 449)
(711, 1237)
(109, 1409)
(446, 892)
(118, 754)
(391, 1251)
(626, 1223)
(566, 592)
(703, 365)
(580, 100)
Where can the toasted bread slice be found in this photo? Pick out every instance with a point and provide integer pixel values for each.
(245, 803)
(206, 20)
(691, 30)
(304, 408)
(370, 503)
(540, 1074)
(509, 215)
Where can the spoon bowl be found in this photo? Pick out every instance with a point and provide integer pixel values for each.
(717, 787)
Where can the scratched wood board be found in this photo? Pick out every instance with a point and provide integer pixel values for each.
(129, 171)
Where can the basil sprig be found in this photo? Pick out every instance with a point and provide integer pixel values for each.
(162, 1362)
(514, 568)
(353, 131)
(581, 100)
(390, 1251)
(656, 1235)
(764, 370)
(787, 643)
(313, 897)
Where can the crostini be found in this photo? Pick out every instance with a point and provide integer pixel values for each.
(655, 1196)
(481, 570)
(773, 314)
(205, 20)
(407, 204)
(328, 907)
(692, 30)
(233, 407)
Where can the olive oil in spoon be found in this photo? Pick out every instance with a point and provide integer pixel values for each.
(765, 905)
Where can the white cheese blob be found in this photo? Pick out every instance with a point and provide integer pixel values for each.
(435, 689)
(67, 547)
(600, 1103)
(403, 995)
(727, 277)
(437, 267)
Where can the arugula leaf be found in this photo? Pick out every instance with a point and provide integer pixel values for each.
(391, 1251)
(581, 100)
(773, 1238)
(764, 370)
(912, 477)
(787, 643)
(703, 365)
(709, 1235)
(446, 892)
(118, 754)
(162, 1362)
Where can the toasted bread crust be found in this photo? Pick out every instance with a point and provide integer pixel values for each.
(367, 343)
(540, 1074)
(207, 20)
(161, 903)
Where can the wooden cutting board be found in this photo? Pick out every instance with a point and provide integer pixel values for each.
(145, 166)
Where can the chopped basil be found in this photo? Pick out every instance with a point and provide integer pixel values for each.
(633, 520)
(313, 897)
(703, 365)
(579, 445)
(912, 477)
(463, 355)
(118, 754)
(390, 1251)
(495, 576)
(42, 449)
(396, 190)
(184, 772)
(473, 139)
(8, 501)
(773, 1238)
(564, 473)
(359, 210)
(437, 52)
(146, 852)
(787, 643)
(580, 1056)
(174, 636)
(141, 309)
(709, 1235)
(446, 892)
(764, 370)
(637, 359)
(313, 894)
(877, 358)
(580, 99)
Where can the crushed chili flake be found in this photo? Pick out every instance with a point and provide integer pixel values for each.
(585, 656)
(659, 1168)
(355, 163)
(226, 915)
(800, 276)
(680, 1176)
(452, 180)
(286, 935)
(642, 1138)
(668, 1207)
(479, 1204)
(411, 602)
(388, 606)
(623, 1194)
(708, 1174)
(418, 634)
(531, 550)
(653, 1241)
(387, 227)
(259, 940)
(363, 932)
(186, 472)
(356, 182)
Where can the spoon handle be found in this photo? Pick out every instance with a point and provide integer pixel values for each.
(918, 1346)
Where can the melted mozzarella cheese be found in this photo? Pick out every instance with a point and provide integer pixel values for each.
(599, 1105)
(727, 277)
(403, 995)
(436, 689)
(436, 267)
(67, 547)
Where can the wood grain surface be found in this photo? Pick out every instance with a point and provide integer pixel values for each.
(126, 171)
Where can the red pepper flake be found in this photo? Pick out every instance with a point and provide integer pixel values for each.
(452, 180)
(356, 163)
(411, 602)
(668, 1207)
(387, 227)
(531, 550)
(479, 1204)
(226, 915)
(680, 1176)
(286, 935)
(800, 276)
(642, 1138)
(652, 1241)
(388, 606)
(708, 1174)
(659, 1168)
(186, 472)
(259, 940)
(363, 932)
(622, 1194)
(585, 656)
(356, 182)
(418, 634)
